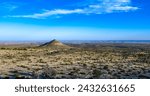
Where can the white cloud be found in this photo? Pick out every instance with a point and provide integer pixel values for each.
(49, 13)
(125, 8)
(98, 7)
(110, 6)
(9, 6)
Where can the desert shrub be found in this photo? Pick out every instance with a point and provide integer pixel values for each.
(83, 73)
(106, 67)
(3, 48)
(24, 66)
(19, 49)
(41, 61)
(96, 73)
(72, 75)
(47, 73)
(84, 65)
(93, 66)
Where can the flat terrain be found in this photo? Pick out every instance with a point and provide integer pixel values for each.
(104, 61)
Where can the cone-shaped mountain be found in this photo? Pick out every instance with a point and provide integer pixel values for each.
(53, 43)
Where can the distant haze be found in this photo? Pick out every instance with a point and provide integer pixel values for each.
(27, 33)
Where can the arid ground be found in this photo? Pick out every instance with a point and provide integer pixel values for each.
(73, 61)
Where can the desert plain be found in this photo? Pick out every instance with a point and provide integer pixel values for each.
(54, 60)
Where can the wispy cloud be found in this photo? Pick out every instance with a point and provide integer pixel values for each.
(50, 13)
(96, 7)
(9, 6)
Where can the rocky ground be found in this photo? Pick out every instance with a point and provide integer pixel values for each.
(85, 61)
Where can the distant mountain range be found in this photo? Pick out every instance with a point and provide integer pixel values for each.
(75, 41)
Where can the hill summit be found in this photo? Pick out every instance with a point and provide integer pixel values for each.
(53, 43)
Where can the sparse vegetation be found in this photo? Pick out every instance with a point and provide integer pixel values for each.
(79, 61)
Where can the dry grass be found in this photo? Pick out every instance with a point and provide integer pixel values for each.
(80, 61)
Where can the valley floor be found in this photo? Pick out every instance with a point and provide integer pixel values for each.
(84, 61)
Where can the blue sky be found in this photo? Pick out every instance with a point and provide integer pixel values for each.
(74, 19)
